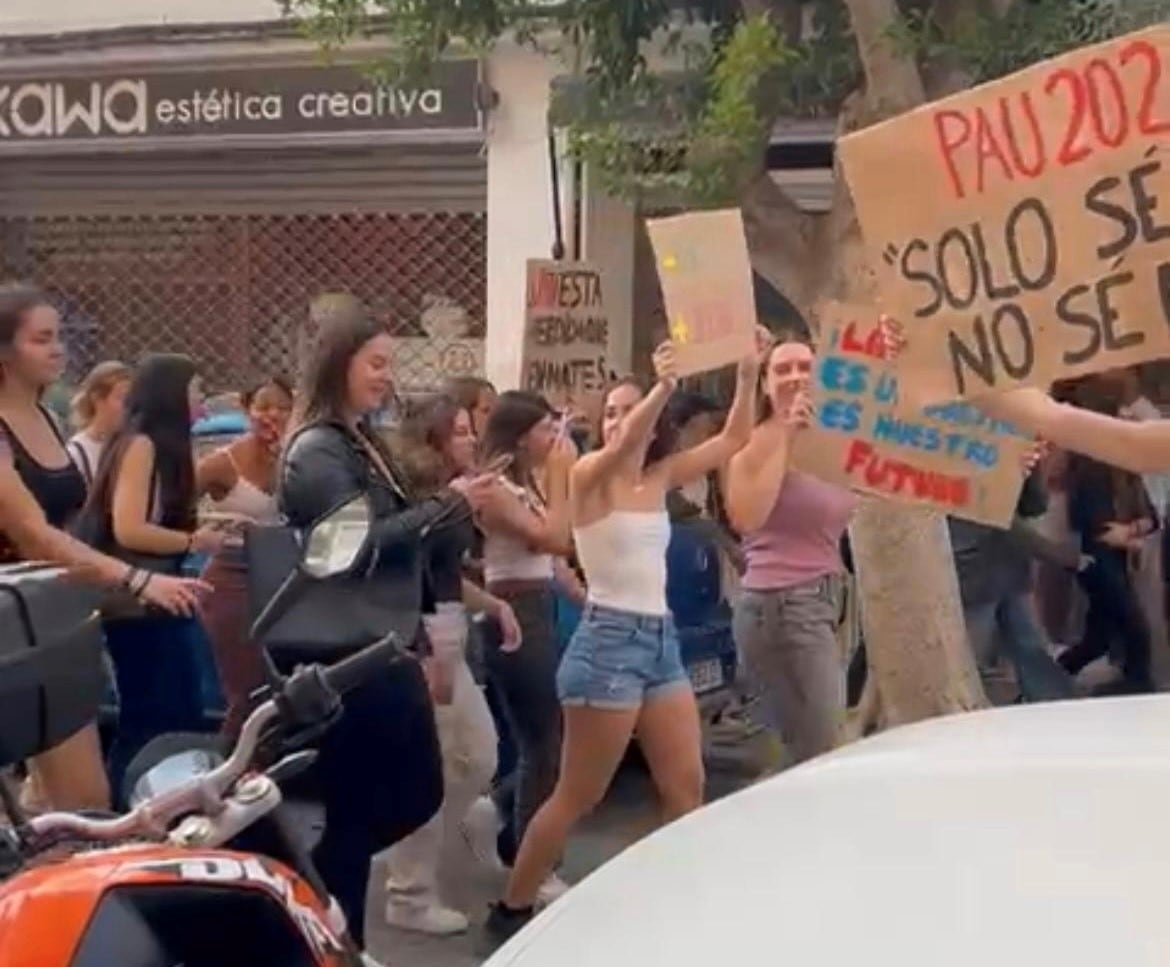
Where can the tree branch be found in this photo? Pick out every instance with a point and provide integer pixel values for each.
(892, 82)
(780, 238)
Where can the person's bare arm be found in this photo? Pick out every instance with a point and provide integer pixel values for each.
(131, 502)
(23, 521)
(215, 475)
(756, 474)
(550, 534)
(689, 465)
(1140, 447)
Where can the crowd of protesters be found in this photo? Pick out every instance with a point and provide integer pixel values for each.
(488, 508)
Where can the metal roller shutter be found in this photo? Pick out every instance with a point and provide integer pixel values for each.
(450, 178)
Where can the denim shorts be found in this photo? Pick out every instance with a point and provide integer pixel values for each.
(619, 659)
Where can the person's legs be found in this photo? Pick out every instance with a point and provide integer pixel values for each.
(381, 775)
(596, 739)
(526, 679)
(239, 662)
(1040, 678)
(672, 742)
(789, 639)
(982, 628)
(158, 686)
(468, 741)
(72, 776)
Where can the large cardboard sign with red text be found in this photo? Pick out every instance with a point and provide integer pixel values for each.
(947, 456)
(1021, 230)
(566, 335)
(706, 278)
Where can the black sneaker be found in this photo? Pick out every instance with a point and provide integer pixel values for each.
(503, 923)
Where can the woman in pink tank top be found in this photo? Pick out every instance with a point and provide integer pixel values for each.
(786, 618)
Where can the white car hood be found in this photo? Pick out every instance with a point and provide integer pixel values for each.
(1036, 835)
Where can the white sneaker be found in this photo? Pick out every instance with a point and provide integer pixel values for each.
(433, 919)
(368, 961)
(551, 890)
(480, 830)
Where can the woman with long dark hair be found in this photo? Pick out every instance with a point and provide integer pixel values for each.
(142, 509)
(526, 538)
(622, 673)
(436, 444)
(32, 358)
(380, 765)
(240, 478)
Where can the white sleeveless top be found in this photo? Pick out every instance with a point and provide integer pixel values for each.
(247, 501)
(624, 559)
(508, 558)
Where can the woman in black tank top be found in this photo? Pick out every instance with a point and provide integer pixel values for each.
(70, 776)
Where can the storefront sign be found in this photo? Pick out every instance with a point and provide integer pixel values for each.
(1020, 229)
(949, 456)
(706, 278)
(298, 102)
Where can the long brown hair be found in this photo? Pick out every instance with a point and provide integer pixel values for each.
(782, 336)
(17, 300)
(421, 441)
(324, 379)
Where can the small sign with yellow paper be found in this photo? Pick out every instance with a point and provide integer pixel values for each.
(706, 281)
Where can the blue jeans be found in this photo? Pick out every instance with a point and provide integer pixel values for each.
(1010, 627)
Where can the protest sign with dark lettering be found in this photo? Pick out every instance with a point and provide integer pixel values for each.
(566, 335)
(1021, 230)
(707, 287)
(948, 456)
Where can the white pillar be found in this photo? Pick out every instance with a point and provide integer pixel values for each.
(520, 219)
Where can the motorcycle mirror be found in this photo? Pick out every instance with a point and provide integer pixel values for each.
(173, 772)
(336, 541)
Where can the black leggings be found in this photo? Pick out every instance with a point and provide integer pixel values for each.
(1115, 614)
(381, 778)
(524, 682)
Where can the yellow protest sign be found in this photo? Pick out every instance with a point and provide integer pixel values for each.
(706, 279)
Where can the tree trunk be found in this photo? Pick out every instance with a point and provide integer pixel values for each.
(920, 662)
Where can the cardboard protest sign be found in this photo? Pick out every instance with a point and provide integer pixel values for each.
(1021, 230)
(707, 287)
(948, 456)
(566, 335)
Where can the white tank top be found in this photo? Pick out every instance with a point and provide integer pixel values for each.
(247, 501)
(624, 559)
(508, 558)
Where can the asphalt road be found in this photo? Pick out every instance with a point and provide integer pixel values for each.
(628, 813)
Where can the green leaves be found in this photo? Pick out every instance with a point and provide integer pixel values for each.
(695, 137)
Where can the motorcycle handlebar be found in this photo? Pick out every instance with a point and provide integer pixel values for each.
(154, 816)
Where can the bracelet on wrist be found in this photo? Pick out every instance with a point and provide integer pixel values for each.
(128, 578)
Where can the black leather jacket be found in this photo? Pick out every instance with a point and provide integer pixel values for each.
(418, 544)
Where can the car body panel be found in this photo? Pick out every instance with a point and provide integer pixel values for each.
(1029, 835)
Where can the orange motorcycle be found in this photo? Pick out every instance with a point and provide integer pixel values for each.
(204, 870)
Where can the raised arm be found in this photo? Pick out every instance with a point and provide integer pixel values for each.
(636, 431)
(756, 474)
(1138, 447)
(681, 468)
(549, 533)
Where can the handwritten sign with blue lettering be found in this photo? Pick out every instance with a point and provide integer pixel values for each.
(948, 456)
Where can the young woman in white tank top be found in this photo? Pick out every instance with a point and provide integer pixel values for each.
(622, 671)
(240, 480)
